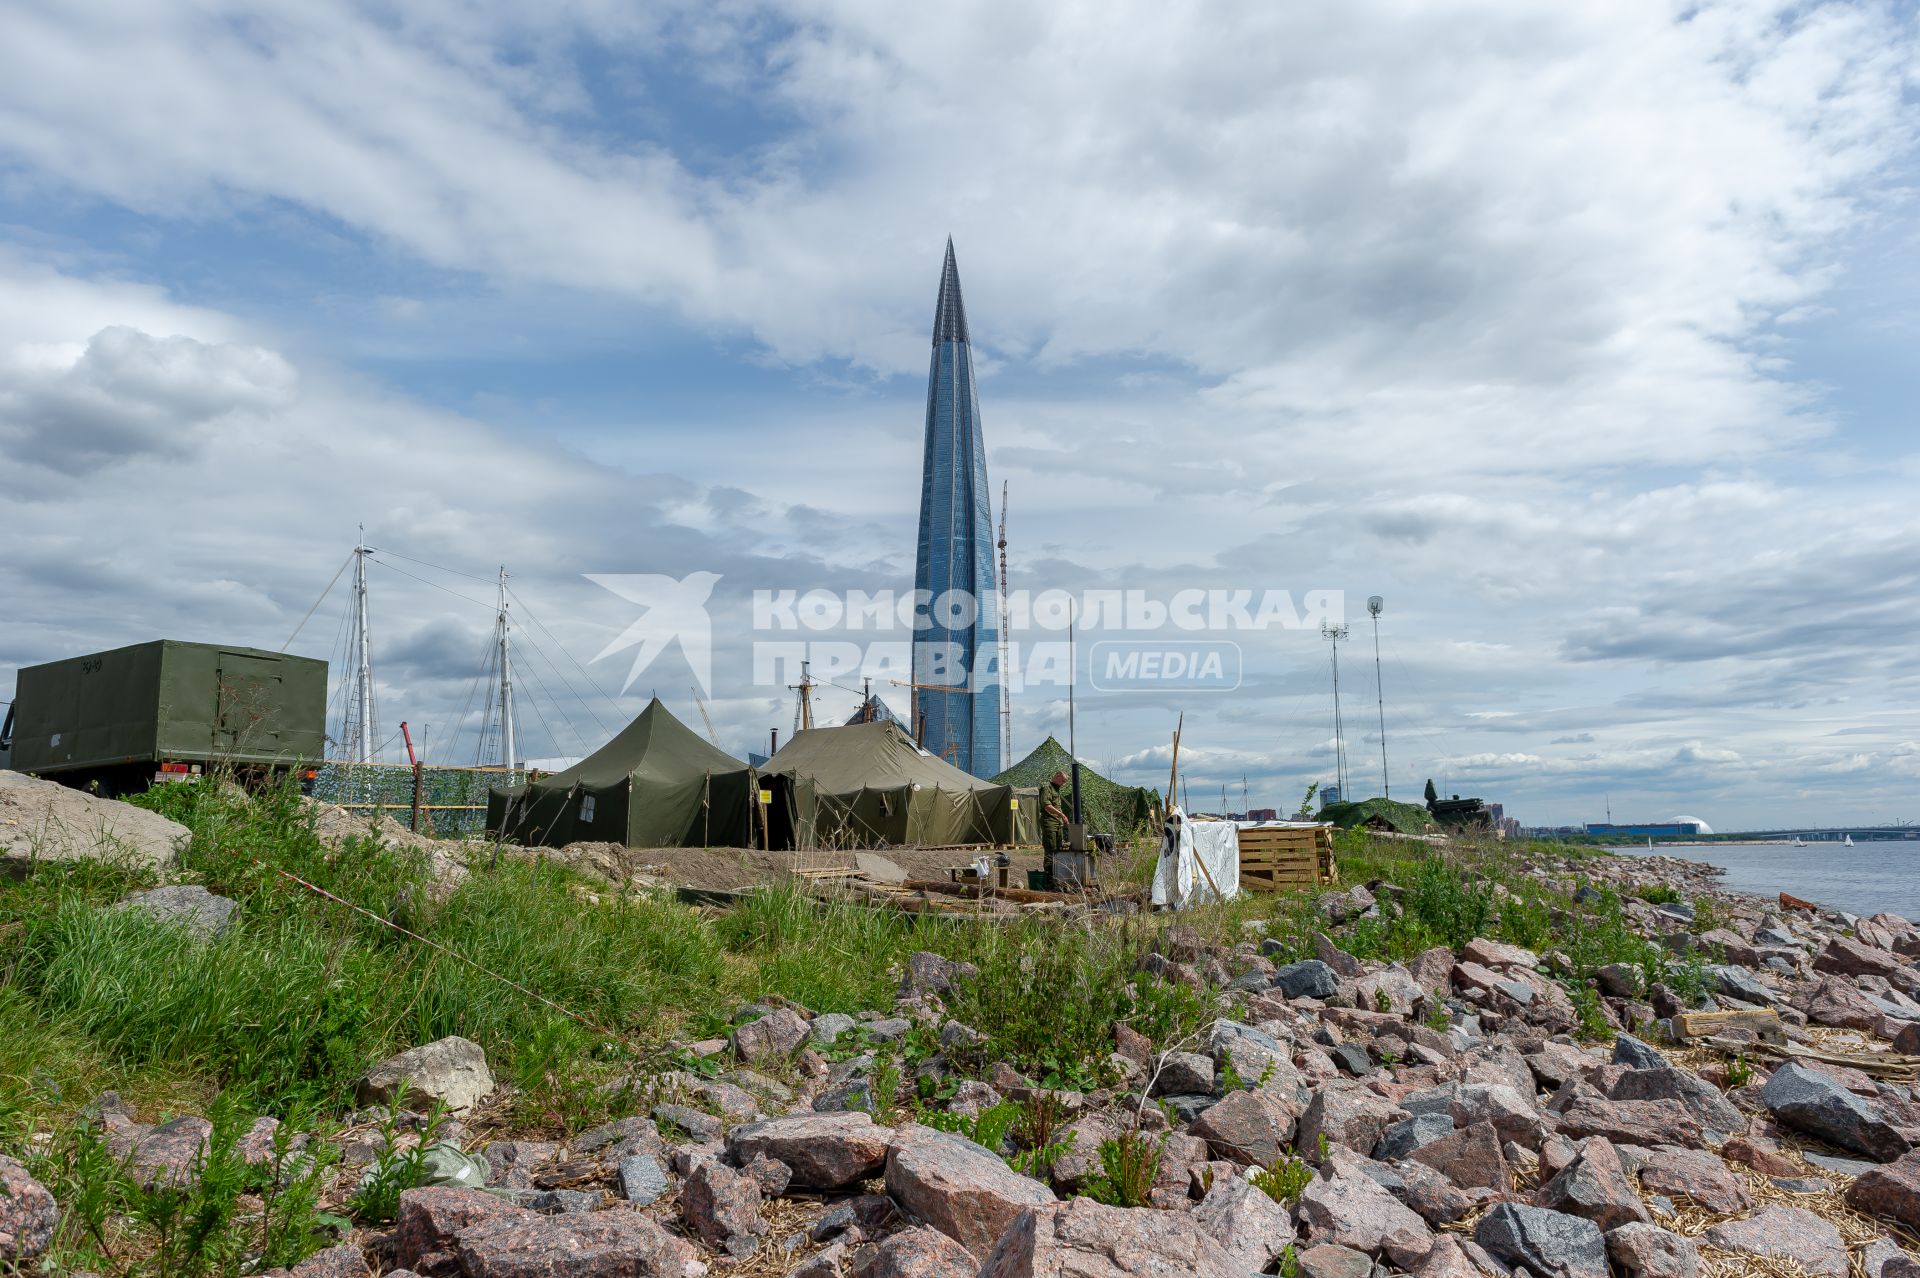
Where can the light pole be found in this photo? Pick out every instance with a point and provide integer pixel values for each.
(1334, 634)
(1374, 604)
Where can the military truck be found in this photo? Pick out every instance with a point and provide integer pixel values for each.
(119, 721)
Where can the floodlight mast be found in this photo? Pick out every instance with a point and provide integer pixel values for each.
(1374, 606)
(1334, 634)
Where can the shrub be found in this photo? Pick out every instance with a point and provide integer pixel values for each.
(1285, 1181)
(1129, 1164)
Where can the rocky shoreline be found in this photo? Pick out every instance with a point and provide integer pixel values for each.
(1453, 1114)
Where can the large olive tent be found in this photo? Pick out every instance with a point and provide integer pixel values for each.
(656, 784)
(1109, 807)
(868, 785)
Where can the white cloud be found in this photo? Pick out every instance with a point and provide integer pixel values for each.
(1480, 306)
(130, 394)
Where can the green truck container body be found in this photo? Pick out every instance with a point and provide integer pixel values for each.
(169, 701)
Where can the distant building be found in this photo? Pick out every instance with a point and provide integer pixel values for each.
(872, 710)
(1329, 795)
(1263, 814)
(1663, 830)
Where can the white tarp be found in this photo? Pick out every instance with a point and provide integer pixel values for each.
(1186, 846)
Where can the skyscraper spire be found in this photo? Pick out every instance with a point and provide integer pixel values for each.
(956, 656)
(950, 312)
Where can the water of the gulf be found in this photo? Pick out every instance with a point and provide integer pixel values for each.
(1866, 878)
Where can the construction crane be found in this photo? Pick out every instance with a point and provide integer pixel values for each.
(705, 717)
(1006, 687)
(919, 727)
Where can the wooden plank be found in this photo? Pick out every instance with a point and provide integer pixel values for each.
(975, 891)
(1761, 1021)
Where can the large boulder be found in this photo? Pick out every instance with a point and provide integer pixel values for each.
(28, 1214)
(344, 1261)
(1183, 1074)
(1785, 1233)
(1404, 1137)
(1694, 1174)
(1471, 1158)
(1262, 1062)
(1309, 978)
(1511, 1112)
(1392, 990)
(47, 821)
(1648, 1251)
(1636, 1054)
(168, 1155)
(918, 1252)
(825, 1151)
(1088, 1240)
(1327, 1260)
(1246, 1128)
(1718, 1119)
(773, 1037)
(1892, 1191)
(1351, 1210)
(721, 1204)
(1347, 1114)
(1844, 957)
(1498, 954)
(1252, 1227)
(1629, 1122)
(429, 1219)
(452, 1071)
(1448, 1259)
(1551, 1244)
(203, 915)
(1811, 1102)
(927, 972)
(1595, 1186)
(573, 1245)
(1837, 1003)
(959, 1188)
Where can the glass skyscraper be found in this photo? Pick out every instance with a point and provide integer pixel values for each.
(956, 657)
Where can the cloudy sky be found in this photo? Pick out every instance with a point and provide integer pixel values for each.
(1584, 334)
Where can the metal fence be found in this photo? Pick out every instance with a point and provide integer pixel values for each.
(453, 801)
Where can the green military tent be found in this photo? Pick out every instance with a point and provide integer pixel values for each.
(868, 785)
(1109, 807)
(656, 784)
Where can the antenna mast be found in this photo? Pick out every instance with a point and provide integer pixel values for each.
(1333, 635)
(1006, 690)
(509, 747)
(360, 731)
(1374, 604)
(803, 713)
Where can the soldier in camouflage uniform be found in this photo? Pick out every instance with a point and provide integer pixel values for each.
(1053, 821)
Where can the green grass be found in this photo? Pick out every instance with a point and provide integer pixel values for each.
(285, 1011)
(289, 1008)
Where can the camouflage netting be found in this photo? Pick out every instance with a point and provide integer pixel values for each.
(1109, 807)
(1403, 818)
(454, 799)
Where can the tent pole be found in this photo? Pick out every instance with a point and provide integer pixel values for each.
(1073, 680)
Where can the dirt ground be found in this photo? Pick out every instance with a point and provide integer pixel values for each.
(731, 869)
(703, 869)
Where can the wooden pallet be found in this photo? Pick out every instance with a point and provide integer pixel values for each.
(1285, 858)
